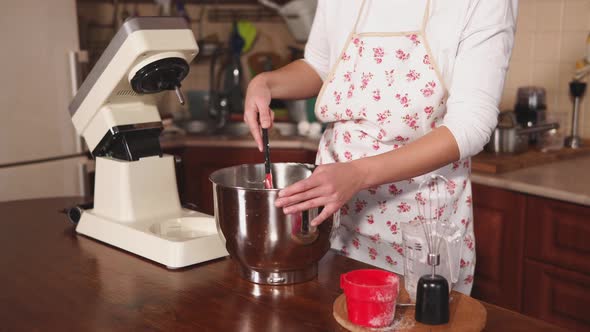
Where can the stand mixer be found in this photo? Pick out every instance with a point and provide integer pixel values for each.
(136, 202)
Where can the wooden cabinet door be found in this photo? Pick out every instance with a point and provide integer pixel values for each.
(557, 295)
(558, 233)
(499, 236)
(200, 162)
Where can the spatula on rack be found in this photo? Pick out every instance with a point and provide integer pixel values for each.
(267, 169)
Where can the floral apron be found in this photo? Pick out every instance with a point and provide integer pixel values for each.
(384, 92)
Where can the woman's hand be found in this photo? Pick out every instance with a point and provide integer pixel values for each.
(256, 107)
(330, 186)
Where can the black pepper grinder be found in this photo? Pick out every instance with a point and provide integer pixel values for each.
(577, 90)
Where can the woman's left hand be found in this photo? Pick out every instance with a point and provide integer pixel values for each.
(330, 186)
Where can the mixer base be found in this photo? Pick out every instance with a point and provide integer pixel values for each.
(279, 277)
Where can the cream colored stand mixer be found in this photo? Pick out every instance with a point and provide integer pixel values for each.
(136, 203)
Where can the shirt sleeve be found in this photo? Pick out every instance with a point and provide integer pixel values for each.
(478, 76)
(317, 51)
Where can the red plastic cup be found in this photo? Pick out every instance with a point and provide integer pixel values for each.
(370, 296)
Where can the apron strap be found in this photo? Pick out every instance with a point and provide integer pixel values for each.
(358, 16)
(426, 16)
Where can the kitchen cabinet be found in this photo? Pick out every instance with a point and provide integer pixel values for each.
(533, 255)
(499, 233)
(199, 162)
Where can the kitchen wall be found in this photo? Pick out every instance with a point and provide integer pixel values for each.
(96, 18)
(551, 37)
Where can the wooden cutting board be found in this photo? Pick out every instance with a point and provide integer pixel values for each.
(486, 162)
(466, 314)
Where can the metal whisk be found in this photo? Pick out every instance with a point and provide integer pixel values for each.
(433, 201)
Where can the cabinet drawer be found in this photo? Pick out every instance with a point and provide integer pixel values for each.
(557, 295)
(558, 233)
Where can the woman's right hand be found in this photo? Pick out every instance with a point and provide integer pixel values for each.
(257, 112)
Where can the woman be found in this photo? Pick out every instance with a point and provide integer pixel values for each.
(407, 87)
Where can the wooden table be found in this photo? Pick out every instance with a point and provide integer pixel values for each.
(55, 280)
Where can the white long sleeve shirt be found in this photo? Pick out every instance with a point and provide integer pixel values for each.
(471, 41)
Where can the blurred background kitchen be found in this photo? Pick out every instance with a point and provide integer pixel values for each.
(531, 190)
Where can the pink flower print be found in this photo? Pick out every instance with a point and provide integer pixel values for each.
(376, 145)
(360, 45)
(324, 110)
(411, 120)
(363, 135)
(337, 97)
(345, 57)
(412, 75)
(337, 117)
(378, 54)
(344, 209)
(465, 222)
(370, 219)
(464, 184)
(403, 207)
(414, 39)
(397, 247)
(463, 263)
(346, 137)
(335, 156)
(348, 113)
(394, 190)
(468, 201)
(451, 186)
(363, 113)
(356, 243)
(348, 76)
(372, 253)
(433, 123)
(401, 139)
(373, 190)
(390, 261)
(376, 95)
(344, 251)
(375, 237)
(403, 100)
(393, 227)
(348, 155)
(359, 205)
(383, 117)
(410, 181)
(357, 230)
(420, 199)
(456, 165)
(389, 78)
(381, 134)
(327, 143)
(382, 206)
(428, 110)
(350, 91)
(455, 206)
(426, 59)
(400, 54)
(468, 279)
(365, 79)
(469, 243)
(466, 163)
(428, 89)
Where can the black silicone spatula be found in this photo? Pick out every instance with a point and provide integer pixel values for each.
(267, 169)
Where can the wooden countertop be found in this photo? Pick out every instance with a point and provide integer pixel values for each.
(55, 280)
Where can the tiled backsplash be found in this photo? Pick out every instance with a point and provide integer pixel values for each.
(550, 38)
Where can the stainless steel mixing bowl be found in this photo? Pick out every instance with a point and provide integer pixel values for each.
(270, 247)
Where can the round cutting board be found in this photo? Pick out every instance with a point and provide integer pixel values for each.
(466, 314)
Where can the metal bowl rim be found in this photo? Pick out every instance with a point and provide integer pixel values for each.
(310, 167)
